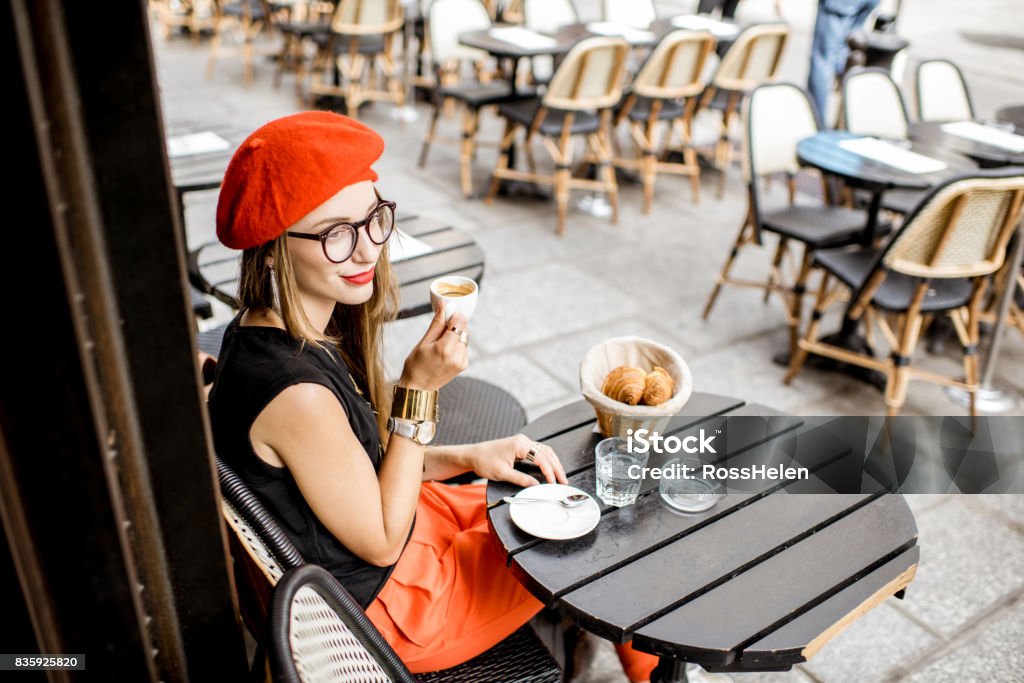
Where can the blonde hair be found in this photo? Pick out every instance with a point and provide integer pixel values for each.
(356, 332)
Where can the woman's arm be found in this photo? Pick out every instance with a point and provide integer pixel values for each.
(369, 513)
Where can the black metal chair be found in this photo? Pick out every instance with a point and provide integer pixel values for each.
(320, 633)
(776, 117)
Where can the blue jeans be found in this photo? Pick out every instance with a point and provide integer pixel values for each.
(836, 19)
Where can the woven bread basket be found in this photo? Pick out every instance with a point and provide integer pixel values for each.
(615, 417)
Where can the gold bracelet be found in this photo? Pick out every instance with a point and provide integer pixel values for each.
(414, 404)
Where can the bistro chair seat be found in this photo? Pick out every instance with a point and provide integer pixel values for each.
(364, 45)
(941, 260)
(819, 227)
(643, 106)
(554, 120)
(853, 268)
(902, 201)
(253, 10)
(247, 18)
(319, 633)
(478, 95)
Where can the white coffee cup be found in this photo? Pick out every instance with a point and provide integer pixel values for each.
(458, 293)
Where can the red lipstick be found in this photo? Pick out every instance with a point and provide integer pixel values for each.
(359, 278)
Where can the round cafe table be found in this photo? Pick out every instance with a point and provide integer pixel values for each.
(759, 582)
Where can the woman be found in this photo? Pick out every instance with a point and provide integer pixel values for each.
(301, 409)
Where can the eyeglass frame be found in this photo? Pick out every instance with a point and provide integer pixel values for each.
(322, 235)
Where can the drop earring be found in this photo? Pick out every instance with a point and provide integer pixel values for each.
(275, 294)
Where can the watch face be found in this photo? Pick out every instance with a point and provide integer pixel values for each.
(426, 432)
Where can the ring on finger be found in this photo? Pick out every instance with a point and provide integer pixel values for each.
(455, 330)
(531, 455)
(464, 337)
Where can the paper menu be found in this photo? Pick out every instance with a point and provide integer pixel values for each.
(523, 37)
(196, 143)
(631, 34)
(891, 155)
(985, 134)
(695, 22)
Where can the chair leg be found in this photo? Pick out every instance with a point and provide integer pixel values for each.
(470, 122)
(799, 287)
(214, 48)
(798, 356)
(502, 165)
(562, 175)
(649, 175)
(607, 168)
(773, 276)
(431, 135)
(741, 239)
(899, 376)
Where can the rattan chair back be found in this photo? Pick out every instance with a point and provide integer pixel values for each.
(590, 76)
(675, 68)
(368, 17)
(753, 59)
(960, 230)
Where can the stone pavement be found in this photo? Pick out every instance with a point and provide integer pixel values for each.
(545, 300)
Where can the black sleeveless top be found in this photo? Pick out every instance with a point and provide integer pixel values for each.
(256, 364)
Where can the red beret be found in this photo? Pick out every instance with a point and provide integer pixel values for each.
(289, 167)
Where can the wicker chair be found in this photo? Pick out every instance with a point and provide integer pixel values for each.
(360, 44)
(261, 551)
(751, 61)
(319, 633)
(665, 91)
(578, 101)
(940, 262)
(776, 117)
(547, 16)
(449, 18)
(942, 92)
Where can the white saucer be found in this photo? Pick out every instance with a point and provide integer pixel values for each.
(551, 520)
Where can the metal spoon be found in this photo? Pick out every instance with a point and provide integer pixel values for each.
(567, 502)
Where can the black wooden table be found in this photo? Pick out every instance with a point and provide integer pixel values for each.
(759, 582)
(214, 269)
(930, 133)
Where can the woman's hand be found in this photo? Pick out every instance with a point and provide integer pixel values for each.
(494, 460)
(439, 356)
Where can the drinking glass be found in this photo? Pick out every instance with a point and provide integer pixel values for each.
(614, 464)
(694, 494)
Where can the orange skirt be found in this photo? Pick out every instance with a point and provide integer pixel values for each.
(451, 597)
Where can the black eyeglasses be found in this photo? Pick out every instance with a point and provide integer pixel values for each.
(339, 239)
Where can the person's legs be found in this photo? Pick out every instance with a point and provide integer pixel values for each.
(707, 6)
(829, 37)
(729, 8)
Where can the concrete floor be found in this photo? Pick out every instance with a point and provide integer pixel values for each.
(546, 299)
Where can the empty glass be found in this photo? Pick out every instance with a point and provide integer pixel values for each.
(694, 494)
(614, 466)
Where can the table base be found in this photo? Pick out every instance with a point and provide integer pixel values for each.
(672, 670)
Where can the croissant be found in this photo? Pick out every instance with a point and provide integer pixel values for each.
(658, 387)
(625, 384)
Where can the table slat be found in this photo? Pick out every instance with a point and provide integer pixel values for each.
(800, 639)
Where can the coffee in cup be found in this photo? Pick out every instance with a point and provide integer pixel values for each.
(458, 293)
